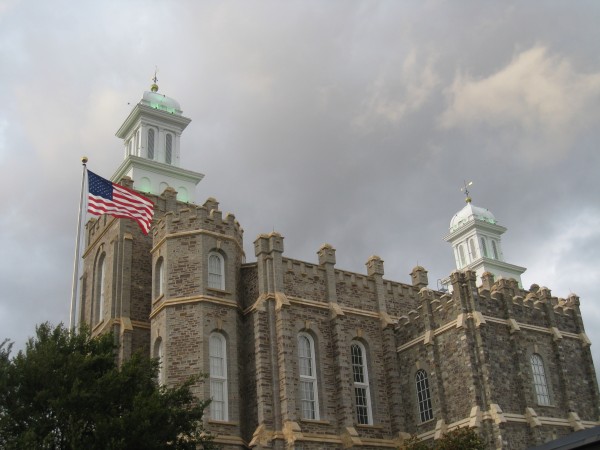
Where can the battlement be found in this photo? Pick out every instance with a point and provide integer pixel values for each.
(435, 309)
(354, 290)
(191, 218)
(94, 227)
(500, 300)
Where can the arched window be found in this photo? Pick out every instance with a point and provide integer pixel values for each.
(461, 252)
(423, 396)
(473, 249)
(218, 377)
(99, 289)
(362, 393)
(495, 250)
(169, 149)
(150, 143)
(159, 354)
(484, 247)
(216, 276)
(159, 280)
(307, 364)
(539, 380)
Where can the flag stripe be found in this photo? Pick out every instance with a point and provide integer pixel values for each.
(105, 197)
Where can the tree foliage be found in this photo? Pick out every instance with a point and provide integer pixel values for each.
(66, 391)
(458, 439)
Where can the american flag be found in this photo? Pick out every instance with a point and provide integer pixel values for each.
(109, 198)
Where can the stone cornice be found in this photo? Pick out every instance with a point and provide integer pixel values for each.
(193, 299)
(482, 319)
(155, 167)
(316, 304)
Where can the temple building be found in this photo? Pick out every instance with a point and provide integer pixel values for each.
(303, 355)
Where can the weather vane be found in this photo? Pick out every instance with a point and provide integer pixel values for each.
(154, 86)
(465, 189)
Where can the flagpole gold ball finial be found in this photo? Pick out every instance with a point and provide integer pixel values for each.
(84, 160)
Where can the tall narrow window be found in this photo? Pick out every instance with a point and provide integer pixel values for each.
(169, 149)
(362, 393)
(150, 143)
(539, 380)
(159, 280)
(473, 249)
(495, 250)
(100, 282)
(218, 377)
(309, 399)
(461, 252)
(484, 251)
(216, 277)
(159, 354)
(423, 396)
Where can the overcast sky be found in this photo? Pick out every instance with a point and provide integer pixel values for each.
(347, 122)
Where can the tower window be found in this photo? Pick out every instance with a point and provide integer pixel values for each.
(150, 143)
(423, 396)
(473, 249)
(169, 149)
(216, 276)
(159, 354)
(362, 393)
(99, 289)
(218, 377)
(484, 248)
(159, 280)
(308, 378)
(539, 380)
(495, 250)
(461, 252)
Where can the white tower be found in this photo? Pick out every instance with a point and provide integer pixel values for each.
(151, 135)
(475, 238)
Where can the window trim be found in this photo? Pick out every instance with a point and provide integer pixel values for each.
(364, 385)
(221, 259)
(312, 379)
(220, 379)
(424, 403)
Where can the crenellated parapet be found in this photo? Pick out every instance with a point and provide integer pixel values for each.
(504, 299)
(435, 310)
(192, 218)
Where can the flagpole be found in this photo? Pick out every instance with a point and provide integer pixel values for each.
(72, 319)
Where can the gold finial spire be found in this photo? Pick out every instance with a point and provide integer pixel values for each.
(465, 189)
(154, 86)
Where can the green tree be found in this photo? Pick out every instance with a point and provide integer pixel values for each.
(458, 439)
(66, 391)
(461, 438)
